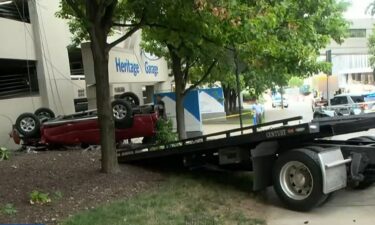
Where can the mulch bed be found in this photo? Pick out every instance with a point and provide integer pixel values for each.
(74, 173)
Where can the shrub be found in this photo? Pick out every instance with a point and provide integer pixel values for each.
(4, 153)
(37, 197)
(164, 131)
(9, 209)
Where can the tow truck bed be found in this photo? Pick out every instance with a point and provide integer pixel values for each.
(296, 158)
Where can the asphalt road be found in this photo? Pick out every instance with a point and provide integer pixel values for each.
(345, 206)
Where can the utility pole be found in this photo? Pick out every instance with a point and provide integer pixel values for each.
(329, 73)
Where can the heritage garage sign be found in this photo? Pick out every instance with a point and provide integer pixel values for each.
(126, 66)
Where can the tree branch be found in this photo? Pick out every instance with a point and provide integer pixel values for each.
(76, 9)
(208, 71)
(127, 35)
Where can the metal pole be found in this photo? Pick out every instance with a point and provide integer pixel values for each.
(238, 88)
(327, 90)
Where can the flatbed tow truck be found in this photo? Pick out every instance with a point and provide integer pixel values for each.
(298, 159)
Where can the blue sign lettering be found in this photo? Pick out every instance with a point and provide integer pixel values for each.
(151, 69)
(126, 66)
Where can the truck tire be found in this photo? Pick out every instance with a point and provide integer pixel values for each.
(122, 113)
(130, 97)
(28, 125)
(44, 114)
(297, 180)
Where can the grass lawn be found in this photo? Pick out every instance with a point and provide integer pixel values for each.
(204, 198)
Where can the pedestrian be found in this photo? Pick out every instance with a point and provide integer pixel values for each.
(258, 113)
(160, 107)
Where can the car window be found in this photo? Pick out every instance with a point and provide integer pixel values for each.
(358, 99)
(339, 100)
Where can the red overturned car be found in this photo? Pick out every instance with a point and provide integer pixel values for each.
(43, 128)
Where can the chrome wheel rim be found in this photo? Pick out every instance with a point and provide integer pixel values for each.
(27, 124)
(296, 180)
(119, 111)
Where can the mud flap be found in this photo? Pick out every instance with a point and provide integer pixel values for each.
(263, 158)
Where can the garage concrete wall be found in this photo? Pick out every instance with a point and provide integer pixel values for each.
(51, 40)
(10, 110)
(16, 40)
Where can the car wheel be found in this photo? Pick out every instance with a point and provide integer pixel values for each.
(298, 180)
(44, 114)
(122, 113)
(28, 125)
(273, 106)
(286, 106)
(130, 97)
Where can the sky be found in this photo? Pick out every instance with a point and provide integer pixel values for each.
(357, 9)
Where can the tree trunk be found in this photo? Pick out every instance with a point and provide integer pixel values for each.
(180, 88)
(180, 116)
(103, 102)
(226, 99)
(233, 101)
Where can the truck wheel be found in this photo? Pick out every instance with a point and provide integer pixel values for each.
(44, 114)
(122, 113)
(28, 125)
(298, 181)
(130, 97)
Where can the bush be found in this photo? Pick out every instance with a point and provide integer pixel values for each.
(9, 209)
(37, 197)
(164, 131)
(4, 154)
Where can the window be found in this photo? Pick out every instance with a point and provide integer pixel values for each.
(119, 89)
(81, 93)
(17, 78)
(358, 99)
(15, 10)
(75, 61)
(342, 100)
(357, 33)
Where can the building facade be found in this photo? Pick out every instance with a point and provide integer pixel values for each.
(351, 70)
(39, 68)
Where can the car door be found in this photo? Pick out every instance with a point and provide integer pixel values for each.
(341, 105)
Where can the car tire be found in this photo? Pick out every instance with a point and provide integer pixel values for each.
(294, 164)
(273, 106)
(28, 125)
(44, 114)
(286, 106)
(130, 97)
(122, 113)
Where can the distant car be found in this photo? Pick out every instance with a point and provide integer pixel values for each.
(41, 128)
(276, 101)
